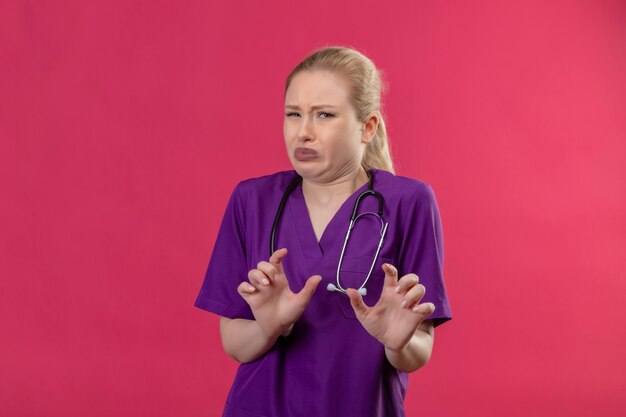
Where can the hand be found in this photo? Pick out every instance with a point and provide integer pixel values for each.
(275, 307)
(396, 315)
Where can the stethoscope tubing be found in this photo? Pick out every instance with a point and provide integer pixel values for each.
(362, 290)
(370, 191)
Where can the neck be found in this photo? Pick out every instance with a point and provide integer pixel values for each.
(325, 192)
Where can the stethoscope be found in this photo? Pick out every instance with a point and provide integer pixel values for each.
(353, 218)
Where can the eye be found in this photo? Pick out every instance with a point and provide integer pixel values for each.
(290, 113)
(328, 115)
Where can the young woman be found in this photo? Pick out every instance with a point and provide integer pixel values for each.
(328, 319)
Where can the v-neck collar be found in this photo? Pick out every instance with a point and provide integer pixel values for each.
(335, 229)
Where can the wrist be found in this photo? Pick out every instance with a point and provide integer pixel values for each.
(397, 348)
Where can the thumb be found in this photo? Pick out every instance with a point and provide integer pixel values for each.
(310, 285)
(358, 305)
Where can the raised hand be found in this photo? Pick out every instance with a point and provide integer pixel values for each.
(275, 307)
(396, 315)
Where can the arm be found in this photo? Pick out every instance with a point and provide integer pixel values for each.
(417, 352)
(244, 341)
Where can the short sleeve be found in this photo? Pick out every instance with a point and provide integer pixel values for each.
(421, 252)
(228, 265)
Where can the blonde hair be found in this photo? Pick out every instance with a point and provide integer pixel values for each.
(365, 94)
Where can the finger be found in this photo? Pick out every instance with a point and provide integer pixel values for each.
(277, 257)
(424, 310)
(258, 278)
(406, 282)
(413, 296)
(309, 288)
(391, 275)
(269, 270)
(245, 288)
(357, 303)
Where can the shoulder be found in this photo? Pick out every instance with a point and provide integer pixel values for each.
(264, 184)
(405, 189)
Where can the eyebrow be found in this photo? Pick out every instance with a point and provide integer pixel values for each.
(317, 106)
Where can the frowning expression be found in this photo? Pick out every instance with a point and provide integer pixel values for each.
(322, 133)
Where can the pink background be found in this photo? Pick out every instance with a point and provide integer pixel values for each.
(125, 125)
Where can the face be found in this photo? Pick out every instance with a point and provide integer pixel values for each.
(323, 136)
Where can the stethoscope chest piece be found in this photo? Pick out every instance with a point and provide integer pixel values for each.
(332, 287)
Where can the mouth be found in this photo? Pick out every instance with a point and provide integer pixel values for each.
(305, 154)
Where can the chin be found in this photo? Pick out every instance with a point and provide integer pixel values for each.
(306, 169)
(303, 171)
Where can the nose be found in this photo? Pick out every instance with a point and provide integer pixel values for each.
(305, 130)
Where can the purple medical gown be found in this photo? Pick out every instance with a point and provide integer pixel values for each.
(329, 365)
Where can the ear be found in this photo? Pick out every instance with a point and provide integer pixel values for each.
(369, 128)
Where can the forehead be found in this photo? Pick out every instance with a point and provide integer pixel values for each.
(317, 87)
